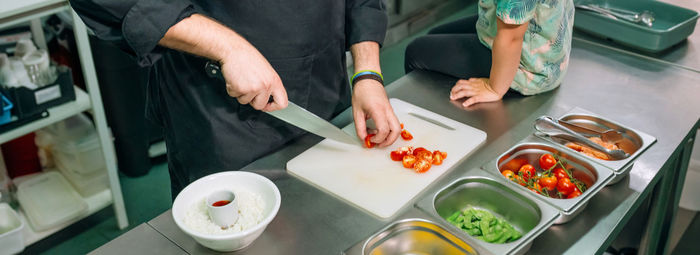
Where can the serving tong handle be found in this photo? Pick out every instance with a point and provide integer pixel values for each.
(551, 127)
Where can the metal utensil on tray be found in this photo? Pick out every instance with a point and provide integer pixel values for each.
(644, 17)
(553, 128)
(608, 136)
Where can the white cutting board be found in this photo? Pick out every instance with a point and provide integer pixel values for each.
(368, 178)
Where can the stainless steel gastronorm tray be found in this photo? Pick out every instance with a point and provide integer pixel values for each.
(414, 236)
(481, 190)
(531, 148)
(634, 142)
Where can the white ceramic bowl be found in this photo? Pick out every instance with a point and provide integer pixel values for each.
(198, 190)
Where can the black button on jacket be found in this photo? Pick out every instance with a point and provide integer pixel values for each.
(206, 130)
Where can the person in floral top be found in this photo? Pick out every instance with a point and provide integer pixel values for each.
(516, 45)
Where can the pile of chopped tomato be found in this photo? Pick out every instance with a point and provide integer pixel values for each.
(418, 159)
(405, 135)
(553, 179)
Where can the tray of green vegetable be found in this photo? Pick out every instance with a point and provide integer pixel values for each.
(484, 225)
(484, 211)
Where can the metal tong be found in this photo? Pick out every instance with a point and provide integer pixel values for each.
(644, 17)
(553, 128)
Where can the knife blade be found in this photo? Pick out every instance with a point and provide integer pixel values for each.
(298, 116)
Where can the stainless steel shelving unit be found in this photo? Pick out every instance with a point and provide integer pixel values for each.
(14, 12)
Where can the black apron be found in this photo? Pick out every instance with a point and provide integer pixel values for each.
(207, 131)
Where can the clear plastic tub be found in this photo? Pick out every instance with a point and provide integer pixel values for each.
(48, 200)
(11, 239)
(76, 145)
(86, 184)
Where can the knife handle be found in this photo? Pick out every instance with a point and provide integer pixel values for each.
(214, 70)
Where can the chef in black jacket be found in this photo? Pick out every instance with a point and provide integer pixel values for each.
(285, 49)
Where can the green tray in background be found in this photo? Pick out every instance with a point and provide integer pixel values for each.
(672, 24)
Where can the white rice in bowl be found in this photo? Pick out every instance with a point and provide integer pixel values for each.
(250, 213)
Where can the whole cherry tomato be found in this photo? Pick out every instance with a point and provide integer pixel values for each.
(515, 163)
(560, 173)
(406, 135)
(574, 194)
(508, 174)
(565, 186)
(401, 125)
(548, 182)
(409, 160)
(535, 187)
(438, 157)
(427, 155)
(547, 161)
(369, 144)
(527, 171)
(422, 166)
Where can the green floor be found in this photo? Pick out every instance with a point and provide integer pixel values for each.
(149, 196)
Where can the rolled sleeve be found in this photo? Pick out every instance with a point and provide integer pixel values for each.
(135, 26)
(148, 21)
(365, 21)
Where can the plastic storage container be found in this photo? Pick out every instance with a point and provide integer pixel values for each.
(48, 200)
(86, 184)
(11, 239)
(76, 145)
(672, 24)
(5, 107)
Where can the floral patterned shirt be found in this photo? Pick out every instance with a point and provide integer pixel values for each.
(547, 42)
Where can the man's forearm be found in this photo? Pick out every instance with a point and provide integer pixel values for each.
(203, 36)
(365, 56)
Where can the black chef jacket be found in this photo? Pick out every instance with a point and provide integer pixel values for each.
(206, 131)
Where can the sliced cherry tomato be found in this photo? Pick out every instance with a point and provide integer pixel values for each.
(406, 135)
(515, 164)
(417, 150)
(396, 155)
(438, 157)
(427, 155)
(560, 173)
(574, 194)
(519, 180)
(409, 160)
(547, 161)
(527, 171)
(565, 186)
(548, 182)
(369, 144)
(508, 174)
(422, 166)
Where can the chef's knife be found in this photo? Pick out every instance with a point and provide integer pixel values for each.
(298, 116)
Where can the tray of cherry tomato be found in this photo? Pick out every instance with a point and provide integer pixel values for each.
(548, 177)
(565, 180)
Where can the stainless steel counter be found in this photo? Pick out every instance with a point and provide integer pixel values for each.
(650, 96)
